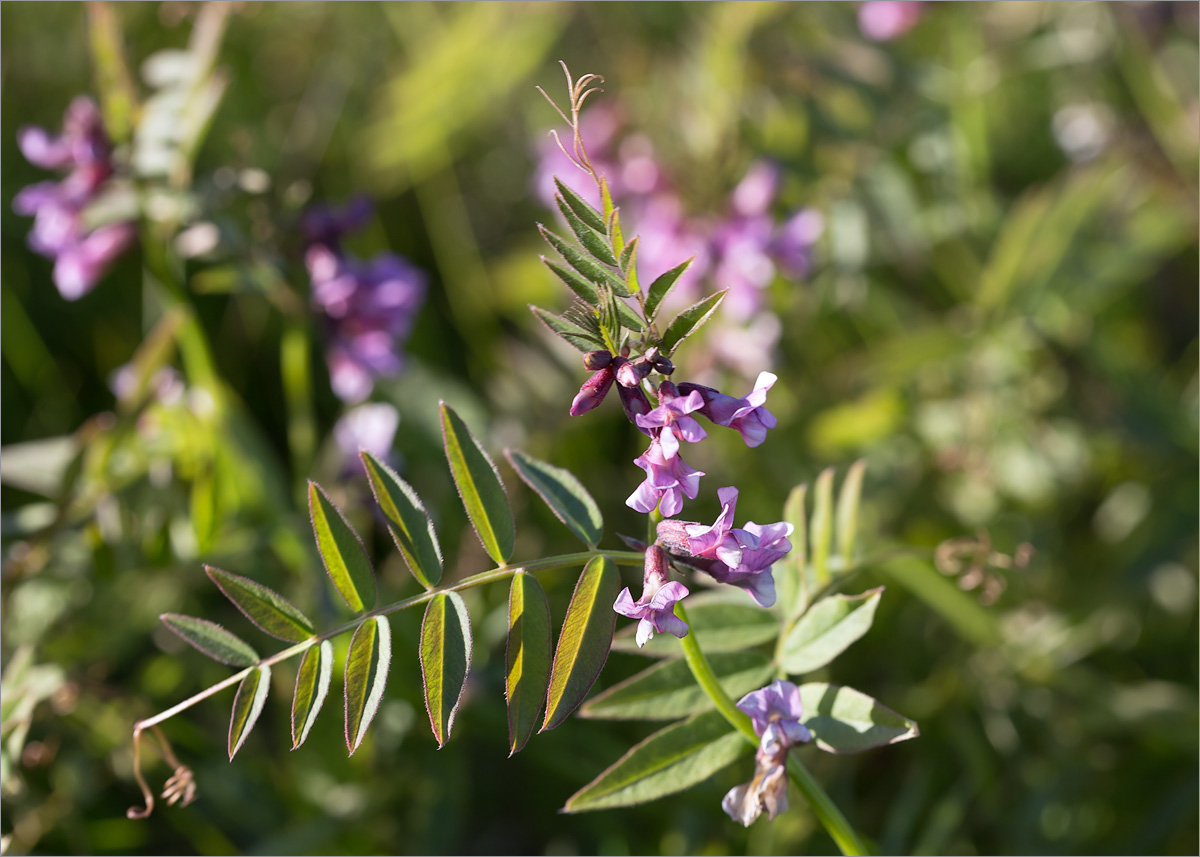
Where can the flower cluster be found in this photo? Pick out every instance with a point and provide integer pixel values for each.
(775, 711)
(81, 253)
(368, 306)
(884, 20)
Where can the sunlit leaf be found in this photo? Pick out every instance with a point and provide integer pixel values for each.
(689, 321)
(342, 551)
(265, 607)
(211, 639)
(563, 493)
(479, 486)
(791, 573)
(720, 623)
(821, 527)
(445, 660)
(593, 242)
(668, 691)
(527, 660)
(583, 289)
(827, 629)
(847, 511)
(409, 523)
(584, 641)
(587, 266)
(582, 208)
(843, 720)
(669, 761)
(367, 664)
(247, 705)
(312, 686)
(661, 287)
(576, 336)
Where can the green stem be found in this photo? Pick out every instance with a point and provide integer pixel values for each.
(294, 358)
(825, 809)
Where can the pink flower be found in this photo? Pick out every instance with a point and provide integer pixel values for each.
(656, 607)
(671, 418)
(747, 415)
(667, 480)
(884, 20)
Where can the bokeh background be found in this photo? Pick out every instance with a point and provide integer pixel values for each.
(995, 307)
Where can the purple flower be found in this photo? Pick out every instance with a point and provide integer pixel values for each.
(371, 427)
(656, 607)
(793, 243)
(671, 417)
(776, 711)
(884, 20)
(326, 224)
(593, 391)
(369, 305)
(748, 415)
(766, 792)
(667, 479)
(81, 255)
(741, 556)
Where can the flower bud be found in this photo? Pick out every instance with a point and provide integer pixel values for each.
(667, 391)
(634, 401)
(673, 536)
(595, 360)
(656, 572)
(593, 391)
(662, 364)
(632, 372)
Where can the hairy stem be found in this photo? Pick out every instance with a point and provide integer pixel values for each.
(825, 809)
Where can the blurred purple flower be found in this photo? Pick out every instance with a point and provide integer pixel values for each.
(747, 415)
(326, 224)
(371, 427)
(656, 607)
(884, 20)
(81, 255)
(667, 480)
(775, 711)
(368, 305)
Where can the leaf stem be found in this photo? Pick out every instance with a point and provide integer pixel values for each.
(825, 809)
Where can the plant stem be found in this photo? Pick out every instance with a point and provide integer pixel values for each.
(294, 357)
(825, 809)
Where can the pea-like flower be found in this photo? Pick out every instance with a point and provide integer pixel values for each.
(747, 415)
(656, 607)
(668, 479)
(593, 391)
(671, 417)
(766, 792)
(775, 711)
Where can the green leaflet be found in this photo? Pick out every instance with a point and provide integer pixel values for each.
(791, 574)
(593, 241)
(367, 664)
(563, 493)
(265, 607)
(583, 289)
(410, 525)
(827, 629)
(849, 499)
(211, 639)
(312, 686)
(720, 623)
(668, 691)
(821, 527)
(527, 659)
(342, 551)
(575, 336)
(689, 321)
(592, 270)
(669, 761)
(844, 720)
(582, 208)
(584, 641)
(247, 705)
(962, 612)
(661, 287)
(479, 486)
(445, 660)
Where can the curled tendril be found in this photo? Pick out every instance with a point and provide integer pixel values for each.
(180, 788)
(579, 91)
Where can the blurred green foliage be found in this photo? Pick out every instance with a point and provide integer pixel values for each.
(1001, 321)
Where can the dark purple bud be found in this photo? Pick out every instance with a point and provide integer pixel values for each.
(634, 401)
(595, 360)
(632, 543)
(593, 391)
(663, 365)
(667, 391)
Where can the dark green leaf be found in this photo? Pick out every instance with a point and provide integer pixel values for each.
(409, 523)
(827, 629)
(563, 493)
(720, 623)
(575, 335)
(247, 705)
(479, 486)
(843, 720)
(593, 242)
(312, 686)
(527, 660)
(661, 287)
(669, 761)
(584, 641)
(342, 551)
(367, 664)
(821, 528)
(689, 321)
(668, 691)
(584, 264)
(265, 607)
(211, 639)
(583, 289)
(847, 511)
(582, 208)
(445, 660)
